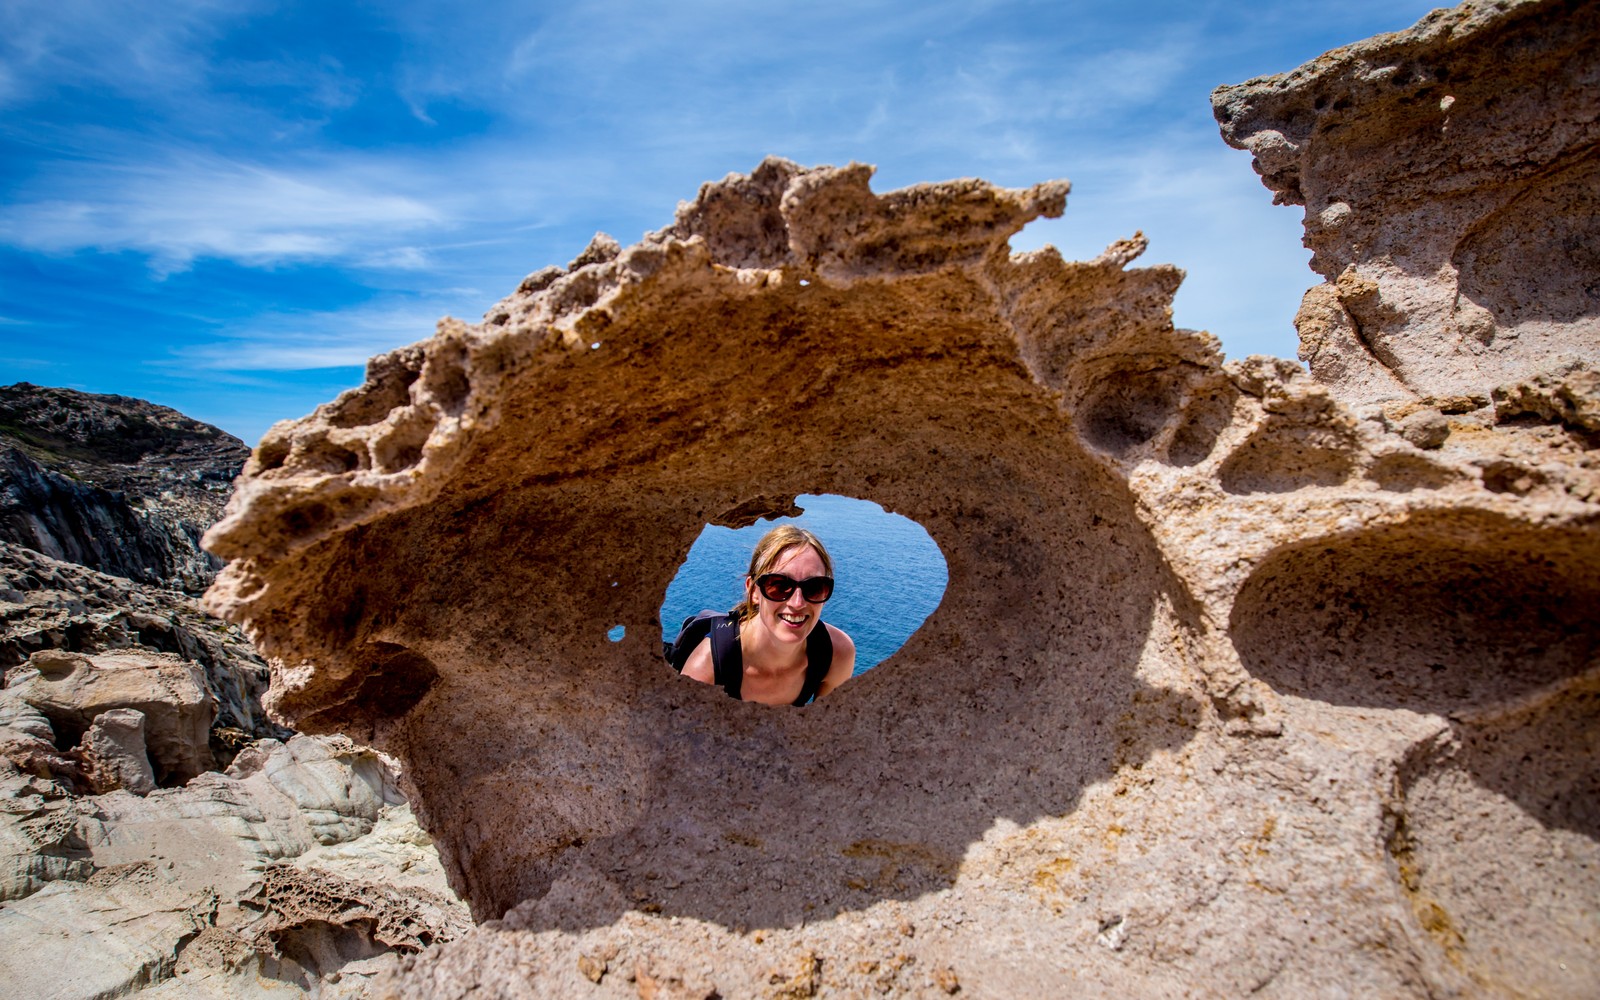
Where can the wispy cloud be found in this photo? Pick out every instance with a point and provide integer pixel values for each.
(205, 207)
(288, 342)
(149, 47)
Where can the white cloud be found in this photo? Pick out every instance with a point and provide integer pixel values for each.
(147, 47)
(213, 208)
(398, 259)
(290, 342)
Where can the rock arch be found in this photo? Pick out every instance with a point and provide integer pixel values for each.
(464, 595)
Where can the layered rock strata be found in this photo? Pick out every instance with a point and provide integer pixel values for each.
(65, 621)
(1243, 682)
(297, 871)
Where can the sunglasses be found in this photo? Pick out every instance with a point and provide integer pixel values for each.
(777, 587)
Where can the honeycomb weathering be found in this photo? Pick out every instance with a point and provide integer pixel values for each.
(1451, 206)
(1224, 655)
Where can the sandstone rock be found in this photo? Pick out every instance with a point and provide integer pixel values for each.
(170, 894)
(109, 936)
(294, 897)
(300, 871)
(1427, 429)
(39, 838)
(1449, 181)
(56, 605)
(338, 789)
(1237, 687)
(114, 753)
(73, 690)
(1569, 395)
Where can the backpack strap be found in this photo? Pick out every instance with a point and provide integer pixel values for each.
(819, 659)
(695, 628)
(727, 657)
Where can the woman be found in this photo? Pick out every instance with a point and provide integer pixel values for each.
(775, 647)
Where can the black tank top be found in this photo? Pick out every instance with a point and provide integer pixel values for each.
(727, 659)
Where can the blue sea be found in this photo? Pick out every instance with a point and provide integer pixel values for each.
(888, 574)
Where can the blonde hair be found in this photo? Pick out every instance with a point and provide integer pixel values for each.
(766, 555)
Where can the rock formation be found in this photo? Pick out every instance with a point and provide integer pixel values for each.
(113, 483)
(1454, 213)
(157, 832)
(223, 888)
(1246, 680)
(61, 613)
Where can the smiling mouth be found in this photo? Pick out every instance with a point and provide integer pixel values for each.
(792, 619)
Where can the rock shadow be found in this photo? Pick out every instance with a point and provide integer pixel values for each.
(1447, 611)
(1492, 623)
(1497, 842)
(1544, 273)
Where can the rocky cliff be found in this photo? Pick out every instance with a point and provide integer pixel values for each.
(113, 483)
(1246, 680)
(157, 831)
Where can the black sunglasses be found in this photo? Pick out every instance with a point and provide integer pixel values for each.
(777, 587)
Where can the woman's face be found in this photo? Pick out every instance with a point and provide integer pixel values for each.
(792, 620)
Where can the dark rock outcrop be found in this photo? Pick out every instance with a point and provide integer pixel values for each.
(113, 483)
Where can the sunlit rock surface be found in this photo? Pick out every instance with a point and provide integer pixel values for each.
(1452, 196)
(298, 870)
(1243, 682)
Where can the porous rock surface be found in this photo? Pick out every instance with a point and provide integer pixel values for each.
(1451, 184)
(1243, 682)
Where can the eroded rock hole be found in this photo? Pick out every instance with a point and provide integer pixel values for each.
(389, 379)
(1501, 844)
(1439, 614)
(396, 679)
(1281, 459)
(890, 575)
(1128, 408)
(446, 379)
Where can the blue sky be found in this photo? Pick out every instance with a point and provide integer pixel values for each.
(226, 206)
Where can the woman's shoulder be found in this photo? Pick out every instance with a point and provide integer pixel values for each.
(700, 664)
(842, 642)
(843, 665)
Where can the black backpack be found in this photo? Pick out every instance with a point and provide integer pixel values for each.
(695, 628)
(727, 658)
